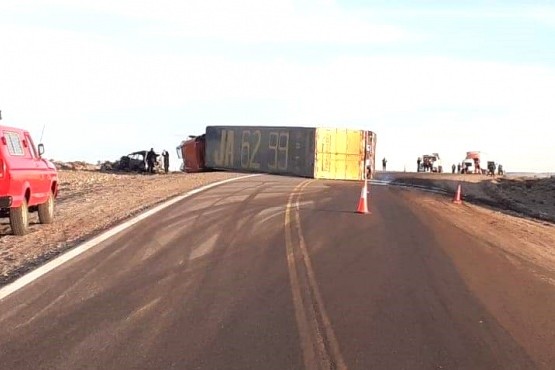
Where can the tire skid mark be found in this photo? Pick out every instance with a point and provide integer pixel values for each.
(319, 345)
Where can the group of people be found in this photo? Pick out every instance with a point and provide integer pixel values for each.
(458, 167)
(152, 160)
(427, 164)
(490, 169)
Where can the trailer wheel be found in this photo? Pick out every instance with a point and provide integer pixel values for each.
(19, 219)
(46, 210)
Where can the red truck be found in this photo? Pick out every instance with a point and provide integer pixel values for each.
(191, 151)
(28, 182)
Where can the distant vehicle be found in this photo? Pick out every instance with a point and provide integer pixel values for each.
(468, 166)
(478, 163)
(431, 163)
(28, 182)
(136, 162)
(133, 162)
(191, 151)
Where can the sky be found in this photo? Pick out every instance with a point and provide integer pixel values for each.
(98, 79)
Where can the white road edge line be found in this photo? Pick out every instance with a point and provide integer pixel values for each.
(79, 249)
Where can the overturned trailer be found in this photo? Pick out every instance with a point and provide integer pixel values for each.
(323, 153)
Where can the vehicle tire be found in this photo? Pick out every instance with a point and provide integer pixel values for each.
(19, 219)
(46, 210)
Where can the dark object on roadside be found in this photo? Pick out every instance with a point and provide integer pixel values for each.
(133, 162)
(491, 168)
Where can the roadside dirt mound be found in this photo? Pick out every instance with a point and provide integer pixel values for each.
(532, 197)
(88, 203)
(529, 195)
(75, 166)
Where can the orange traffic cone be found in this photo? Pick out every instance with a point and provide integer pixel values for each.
(363, 201)
(457, 198)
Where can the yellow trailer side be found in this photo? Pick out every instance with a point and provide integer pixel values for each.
(339, 154)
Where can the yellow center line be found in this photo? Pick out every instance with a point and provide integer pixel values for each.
(307, 346)
(310, 313)
(330, 334)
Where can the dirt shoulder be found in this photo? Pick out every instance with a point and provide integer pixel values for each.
(507, 262)
(523, 241)
(89, 202)
(531, 197)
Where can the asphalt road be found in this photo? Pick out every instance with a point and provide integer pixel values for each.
(280, 273)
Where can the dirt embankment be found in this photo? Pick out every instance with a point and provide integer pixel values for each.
(88, 203)
(532, 197)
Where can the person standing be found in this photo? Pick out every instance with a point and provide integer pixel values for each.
(458, 168)
(418, 161)
(384, 164)
(491, 168)
(166, 157)
(150, 160)
(453, 168)
(368, 169)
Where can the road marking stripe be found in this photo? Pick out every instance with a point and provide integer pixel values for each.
(307, 346)
(330, 334)
(306, 296)
(74, 252)
(323, 358)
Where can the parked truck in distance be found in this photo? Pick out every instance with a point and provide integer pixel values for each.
(430, 163)
(478, 163)
(326, 153)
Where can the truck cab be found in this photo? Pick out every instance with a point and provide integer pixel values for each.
(468, 166)
(28, 182)
(431, 163)
(478, 163)
(192, 152)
